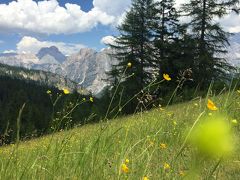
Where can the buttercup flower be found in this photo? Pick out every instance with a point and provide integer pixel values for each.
(213, 137)
(234, 121)
(91, 99)
(127, 161)
(129, 64)
(163, 146)
(211, 105)
(125, 169)
(66, 91)
(49, 92)
(166, 166)
(145, 178)
(167, 77)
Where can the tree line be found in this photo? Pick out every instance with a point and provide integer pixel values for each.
(156, 38)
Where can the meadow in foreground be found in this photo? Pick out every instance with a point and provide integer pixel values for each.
(147, 145)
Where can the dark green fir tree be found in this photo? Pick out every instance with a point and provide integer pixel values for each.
(133, 49)
(211, 40)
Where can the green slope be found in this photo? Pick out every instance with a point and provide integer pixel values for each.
(98, 151)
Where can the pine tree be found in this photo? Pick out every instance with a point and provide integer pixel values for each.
(166, 36)
(211, 40)
(134, 49)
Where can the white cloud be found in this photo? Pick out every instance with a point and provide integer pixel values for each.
(112, 7)
(32, 45)
(48, 17)
(9, 51)
(108, 40)
(230, 23)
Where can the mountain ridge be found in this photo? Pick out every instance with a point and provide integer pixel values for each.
(42, 77)
(87, 67)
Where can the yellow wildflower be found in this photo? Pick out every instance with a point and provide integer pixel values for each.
(234, 121)
(66, 91)
(145, 178)
(211, 105)
(166, 166)
(163, 146)
(127, 161)
(49, 92)
(91, 99)
(213, 137)
(167, 77)
(84, 99)
(129, 64)
(125, 168)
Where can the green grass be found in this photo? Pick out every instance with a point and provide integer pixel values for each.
(97, 151)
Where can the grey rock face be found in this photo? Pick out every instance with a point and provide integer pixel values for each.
(87, 67)
(51, 51)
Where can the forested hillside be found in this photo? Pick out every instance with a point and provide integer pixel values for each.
(44, 109)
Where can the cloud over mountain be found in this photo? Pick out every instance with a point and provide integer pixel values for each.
(108, 40)
(32, 45)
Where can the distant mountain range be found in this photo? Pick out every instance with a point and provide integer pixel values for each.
(87, 68)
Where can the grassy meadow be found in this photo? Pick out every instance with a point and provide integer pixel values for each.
(148, 145)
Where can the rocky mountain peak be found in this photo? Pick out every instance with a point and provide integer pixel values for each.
(84, 52)
(52, 51)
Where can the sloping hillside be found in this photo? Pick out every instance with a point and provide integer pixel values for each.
(20, 86)
(145, 146)
(40, 77)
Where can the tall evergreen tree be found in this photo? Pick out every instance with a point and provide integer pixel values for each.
(134, 46)
(211, 39)
(167, 34)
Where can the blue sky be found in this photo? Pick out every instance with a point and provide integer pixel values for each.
(17, 38)
(28, 25)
